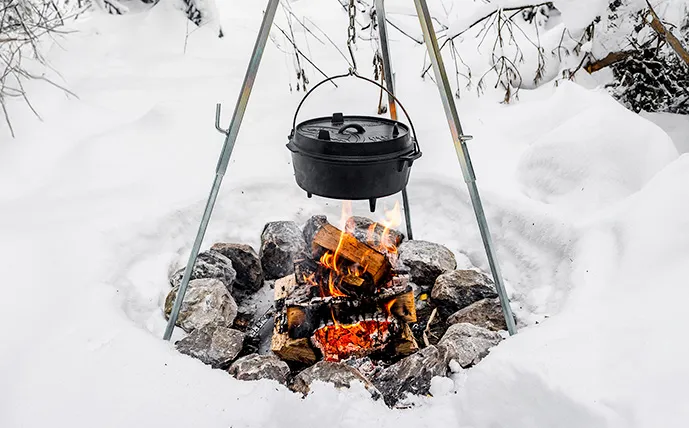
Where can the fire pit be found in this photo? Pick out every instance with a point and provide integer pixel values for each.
(348, 298)
(349, 303)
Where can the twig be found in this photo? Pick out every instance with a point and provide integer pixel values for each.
(296, 48)
(484, 18)
(427, 330)
(301, 23)
(331, 41)
(7, 116)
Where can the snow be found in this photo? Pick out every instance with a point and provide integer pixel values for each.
(676, 126)
(101, 201)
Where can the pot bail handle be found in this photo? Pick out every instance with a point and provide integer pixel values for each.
(373, 82)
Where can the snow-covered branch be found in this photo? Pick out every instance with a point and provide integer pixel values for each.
(22, 24)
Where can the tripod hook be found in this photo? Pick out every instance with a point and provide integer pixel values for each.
(218, 107)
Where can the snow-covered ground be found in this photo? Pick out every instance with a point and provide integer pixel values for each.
(587, 202)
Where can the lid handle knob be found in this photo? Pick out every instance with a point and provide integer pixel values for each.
(359, 129)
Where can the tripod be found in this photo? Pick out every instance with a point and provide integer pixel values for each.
(458, 137)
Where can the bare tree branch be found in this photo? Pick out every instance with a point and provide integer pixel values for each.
(667, 35)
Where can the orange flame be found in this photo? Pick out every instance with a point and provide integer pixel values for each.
(388, 306)
(309, 279)
(333, 262)
(332, 314)
(393, 218)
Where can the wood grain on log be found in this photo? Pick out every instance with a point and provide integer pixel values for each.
(282, 345)
(373, 262)
(404, 308)
(405, 344)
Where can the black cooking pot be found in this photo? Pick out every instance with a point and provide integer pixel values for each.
(352, 157)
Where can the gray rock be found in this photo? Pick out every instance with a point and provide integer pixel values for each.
(282, 242)
(411, 375)
(255, 367)
(460, 288)
(207, 301)
(467, 343)
(214, 345)
(365, 365)
(246, 262)
(426, 260)
(486, 313)
(209, 264)
(339, 374)
(360, 227)
(311, 227)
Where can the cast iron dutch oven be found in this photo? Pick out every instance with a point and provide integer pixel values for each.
(352, 157)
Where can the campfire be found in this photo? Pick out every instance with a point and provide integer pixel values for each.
(345, 308)
(348, 298)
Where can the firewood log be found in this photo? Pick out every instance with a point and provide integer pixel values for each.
(282, 345)
(372, 261)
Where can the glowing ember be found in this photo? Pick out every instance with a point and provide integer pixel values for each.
(341, 341)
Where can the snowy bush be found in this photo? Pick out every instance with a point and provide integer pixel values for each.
(652, 80)
(524, 44)
(22, 23)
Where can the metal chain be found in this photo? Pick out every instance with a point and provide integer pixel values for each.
(351, 34)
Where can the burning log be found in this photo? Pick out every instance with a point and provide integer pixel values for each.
(282, 345)
(305, 271)
(403, 307)
(373, 233)
(349, 248)
(348, 303)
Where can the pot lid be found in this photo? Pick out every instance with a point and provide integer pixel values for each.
(353, 136)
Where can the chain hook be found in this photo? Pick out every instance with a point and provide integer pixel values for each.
(351, 34)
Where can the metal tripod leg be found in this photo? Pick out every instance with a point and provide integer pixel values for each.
(228, 146)
(463, 154)
(390, 83)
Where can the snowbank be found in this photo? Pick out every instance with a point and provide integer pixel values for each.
(598, 156)
(613, 356)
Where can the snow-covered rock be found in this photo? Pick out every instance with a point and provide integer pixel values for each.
(255, 367)
(206, 301)
(411, 375)
(245, 262)
(426, 260)
(214, 345)
(460, 288)
(209, 264)
(486, 313)
(282, 242)
(467, 343)
(339, 374)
